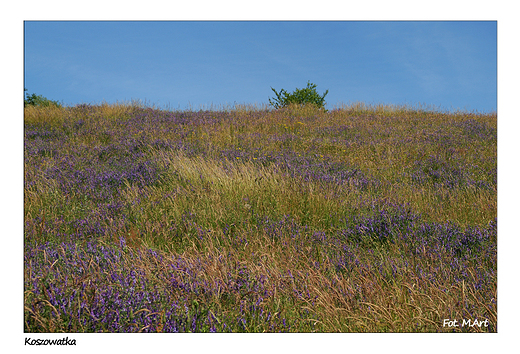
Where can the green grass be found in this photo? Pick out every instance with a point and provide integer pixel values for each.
(360, 219)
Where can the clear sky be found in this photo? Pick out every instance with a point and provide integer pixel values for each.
(182, 64)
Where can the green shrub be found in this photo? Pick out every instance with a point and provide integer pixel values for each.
(38, 100)
(307, 95)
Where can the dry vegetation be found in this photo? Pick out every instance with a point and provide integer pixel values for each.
(361, 219)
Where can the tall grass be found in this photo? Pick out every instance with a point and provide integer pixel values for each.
(360, 219)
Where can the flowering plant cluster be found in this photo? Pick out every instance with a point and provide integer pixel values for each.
(353, 220)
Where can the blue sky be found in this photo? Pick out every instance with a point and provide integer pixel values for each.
(180, 64)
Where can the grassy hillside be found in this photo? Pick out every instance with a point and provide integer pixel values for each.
(360, 219)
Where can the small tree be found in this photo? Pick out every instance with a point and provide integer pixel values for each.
(38, 100)
(307, 95)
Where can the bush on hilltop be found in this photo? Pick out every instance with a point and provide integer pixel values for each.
(307, 95)
(38, 100)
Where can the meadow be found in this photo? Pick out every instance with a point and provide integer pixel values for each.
(358, 219)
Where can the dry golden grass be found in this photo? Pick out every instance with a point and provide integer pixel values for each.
(230, 218)
(50, 116)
